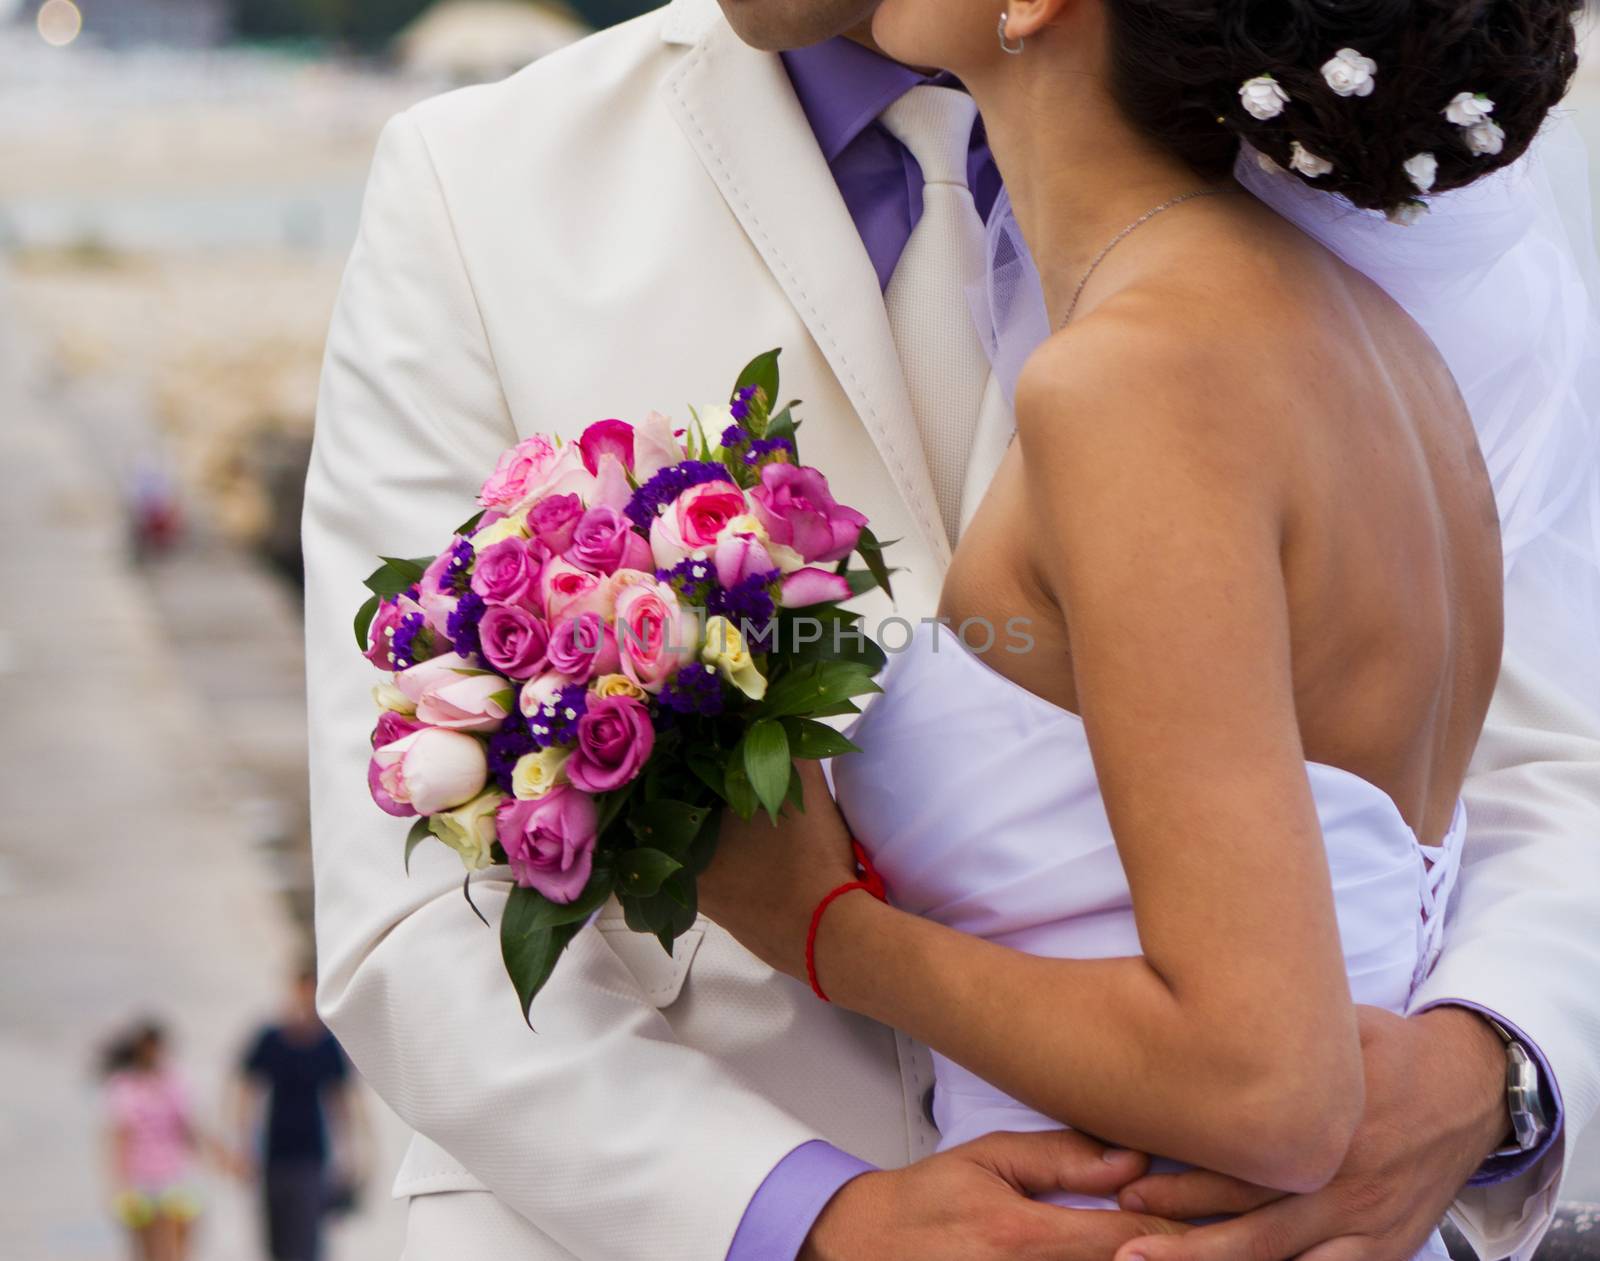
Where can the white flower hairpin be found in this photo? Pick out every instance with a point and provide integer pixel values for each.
(1350, 74)
(1471, 112)
(1308, 163)
(1408, 213)
(1423, 171)
(1263, 97)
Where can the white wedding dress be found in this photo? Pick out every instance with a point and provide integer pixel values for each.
(979, 804)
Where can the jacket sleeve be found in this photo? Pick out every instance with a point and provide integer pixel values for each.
(614, 1139)
(1523, 935)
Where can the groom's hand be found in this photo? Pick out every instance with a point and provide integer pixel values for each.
(1435, 1111)
(970, 1204)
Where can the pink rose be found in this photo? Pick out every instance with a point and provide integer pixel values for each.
(615, 740)
(695, 521)
(607, 437)
(806, 587)
(428, 771)
(392, 726)
(655, 636)
(562, 585)
(554, 520)
(550, 842)
(655, 447)
(390, 616)
(507, 572)
(442, 585)
(542, 691)
(452, 693)
(584, 646)
(517, 472)
(797, 509)
(605, 542)
(566, 476)
(514, 640)
(741, 556)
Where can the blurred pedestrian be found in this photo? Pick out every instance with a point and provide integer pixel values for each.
(152, 1142)
(297, 1109)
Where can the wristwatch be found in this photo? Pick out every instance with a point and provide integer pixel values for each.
(1530, 1120)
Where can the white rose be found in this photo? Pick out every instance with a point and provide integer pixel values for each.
(432, 770)
(1424, 171)
(1350, 74)
(1308, 163)
(513, 527)
(537, 774)
(470, 829)
(1486, 139)
(390, 697)
(1468, 109)
(1262, 98)
(1408, 213)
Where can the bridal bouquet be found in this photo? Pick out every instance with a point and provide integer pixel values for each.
(641, 628)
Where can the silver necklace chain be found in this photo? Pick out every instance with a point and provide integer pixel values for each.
(1124, 235)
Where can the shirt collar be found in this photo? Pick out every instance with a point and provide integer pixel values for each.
(843, 86)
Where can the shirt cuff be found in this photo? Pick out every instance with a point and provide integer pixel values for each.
(1500, 1169)
(786, 1206)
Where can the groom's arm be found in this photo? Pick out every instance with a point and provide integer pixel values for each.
(602, 1129)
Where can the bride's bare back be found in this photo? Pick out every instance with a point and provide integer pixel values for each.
(1237, 388)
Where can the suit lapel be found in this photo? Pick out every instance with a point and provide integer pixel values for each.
(739, 112)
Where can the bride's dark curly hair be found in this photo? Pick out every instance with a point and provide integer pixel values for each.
(1177, 67)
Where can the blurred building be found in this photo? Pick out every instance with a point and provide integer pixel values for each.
(173, 23)
(476, 41)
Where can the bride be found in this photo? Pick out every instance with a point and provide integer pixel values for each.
(1142, 874)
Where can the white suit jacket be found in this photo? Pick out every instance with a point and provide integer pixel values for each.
(617, 229)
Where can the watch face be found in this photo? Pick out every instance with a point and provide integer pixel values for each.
(1528, 1120)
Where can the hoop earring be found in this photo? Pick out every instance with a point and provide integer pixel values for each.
(1006, 46)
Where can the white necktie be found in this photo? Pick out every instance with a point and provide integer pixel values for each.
(944, 363)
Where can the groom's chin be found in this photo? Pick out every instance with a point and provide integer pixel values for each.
(781, 25)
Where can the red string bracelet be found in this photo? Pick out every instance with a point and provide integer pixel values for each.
(870, 882)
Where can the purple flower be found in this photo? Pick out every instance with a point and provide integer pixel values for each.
(514, 641)
(748, 603)
(463, 625)
(695, 689)
(507, 747)
(413, 641)
(557, 722)
(739, 409)
(662, 490)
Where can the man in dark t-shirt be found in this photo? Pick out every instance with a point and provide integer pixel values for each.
(295, 1103)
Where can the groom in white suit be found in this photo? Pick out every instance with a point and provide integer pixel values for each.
(615, 230)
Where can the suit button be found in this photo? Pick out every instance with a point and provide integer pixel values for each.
(927, 1106)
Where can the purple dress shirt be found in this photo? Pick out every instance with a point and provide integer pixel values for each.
(843, 87)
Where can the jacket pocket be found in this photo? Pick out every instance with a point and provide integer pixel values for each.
(660, 975)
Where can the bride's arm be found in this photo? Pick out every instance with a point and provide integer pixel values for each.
(1232, 1043)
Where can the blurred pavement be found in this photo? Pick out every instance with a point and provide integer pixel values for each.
(131, 880)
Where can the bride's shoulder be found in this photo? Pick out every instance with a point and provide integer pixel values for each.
(1166, 378)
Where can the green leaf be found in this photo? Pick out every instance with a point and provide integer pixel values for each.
(741, 795)
(364, 616)
(609, 807)
(796, 796)
(420, 832)
(641, 872)
(669, 826)
(765, 750)
(761, 372)
(817, 687)
(871, 552)
(704, 848)
(813, 740)
(392, 578)
(784, 425)
(471, 523)
(530, 953)
(707, 766)
(547, 914)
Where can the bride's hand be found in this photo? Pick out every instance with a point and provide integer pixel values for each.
(767, 880)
